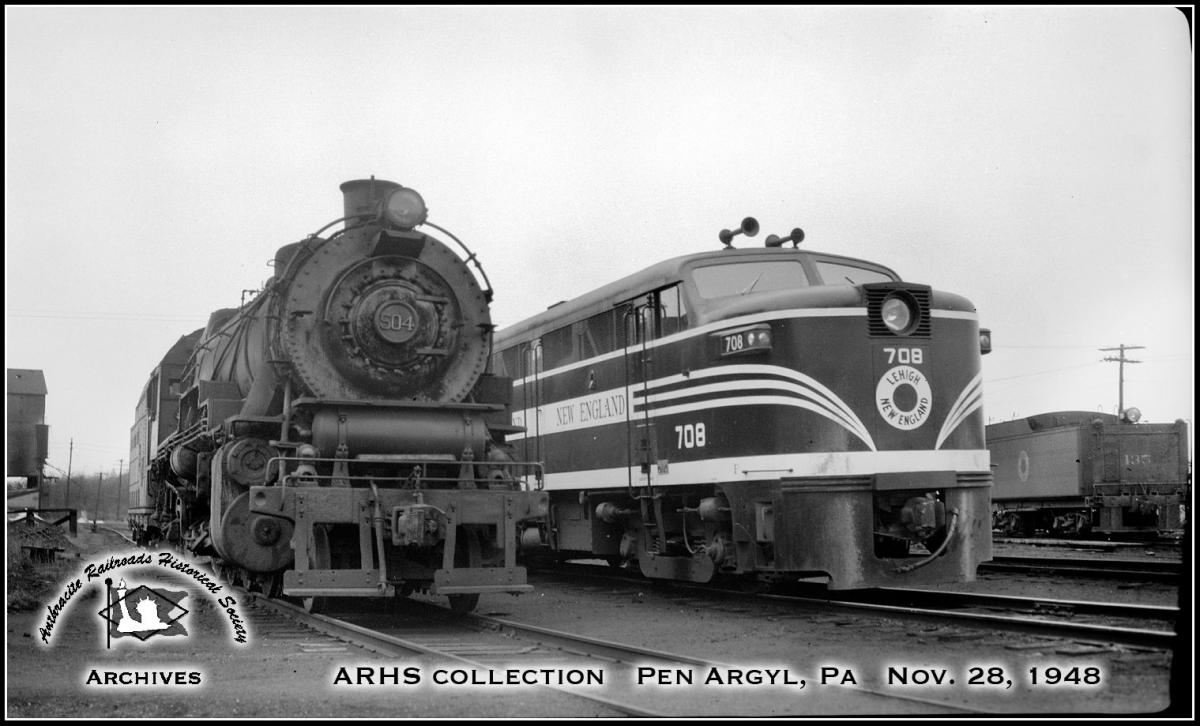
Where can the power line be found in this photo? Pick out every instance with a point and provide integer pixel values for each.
(108, 316)
(1038, 373)
(1044, 347)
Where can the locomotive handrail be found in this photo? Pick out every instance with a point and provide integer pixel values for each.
(527, 468)
(317, 234)
(380, 479)
(187, 434)
(471, 258)
(395, 403)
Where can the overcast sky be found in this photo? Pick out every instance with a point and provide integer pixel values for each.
(1038, 161)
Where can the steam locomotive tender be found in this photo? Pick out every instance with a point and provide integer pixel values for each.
(1078, 472)
(340, 434)
(773, 413)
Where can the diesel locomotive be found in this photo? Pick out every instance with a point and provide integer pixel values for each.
(340, 434)
(773, 413)
(1079, 472)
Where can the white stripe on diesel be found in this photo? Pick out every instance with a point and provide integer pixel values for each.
(759, 401)
(954, 314)
(968, 401)
(815, 404)
(733, 323)
(578, 413)
(829, 397)
(753, 384)
(703, 330)
(613, 403)
(971, 392)
(773, 467)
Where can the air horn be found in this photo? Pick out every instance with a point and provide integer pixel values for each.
(796, 237)
(749, 228)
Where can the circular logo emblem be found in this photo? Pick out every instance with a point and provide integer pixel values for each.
(903, 397)
(396, 321)
(1023, 466)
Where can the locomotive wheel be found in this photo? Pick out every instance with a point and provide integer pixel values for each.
(467, 553)
(318, 559)
(1011, 524)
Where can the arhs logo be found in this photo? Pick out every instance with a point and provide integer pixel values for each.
(143, 612)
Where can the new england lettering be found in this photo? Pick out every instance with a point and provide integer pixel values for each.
(601, 408)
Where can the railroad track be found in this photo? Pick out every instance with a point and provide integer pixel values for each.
(1126, 624)
(480, 647)
(1129, 570)
(1111, 623)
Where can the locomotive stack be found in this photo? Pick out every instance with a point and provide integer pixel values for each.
(340, 433)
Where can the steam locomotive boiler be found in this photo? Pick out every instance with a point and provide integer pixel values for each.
(340, 434)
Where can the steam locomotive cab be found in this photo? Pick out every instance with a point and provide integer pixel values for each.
(340, 433)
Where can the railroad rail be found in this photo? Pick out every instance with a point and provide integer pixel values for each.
(1133, 570)
(1041, 616)
(482, 642)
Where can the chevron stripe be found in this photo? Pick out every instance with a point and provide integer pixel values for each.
(821, 399)
(967, 403)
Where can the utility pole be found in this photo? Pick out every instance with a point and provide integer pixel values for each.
(1122, 360)
(70, 457)
(96, 514)
(120, 485)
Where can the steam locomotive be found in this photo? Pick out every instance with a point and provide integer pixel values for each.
(1079, 472)
(340, 433)
(770, 413)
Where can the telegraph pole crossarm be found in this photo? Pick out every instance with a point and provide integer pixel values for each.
(1121, 360)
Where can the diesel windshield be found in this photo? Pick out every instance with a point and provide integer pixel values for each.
(744, 278)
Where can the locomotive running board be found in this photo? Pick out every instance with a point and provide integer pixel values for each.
(348, 583)
(309, 506)
(470, 589)
(466, 580)
(338, 591)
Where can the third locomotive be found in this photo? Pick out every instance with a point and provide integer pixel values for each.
(1081, 472)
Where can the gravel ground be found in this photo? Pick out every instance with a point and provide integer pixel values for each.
(269, 678)
(290, 676)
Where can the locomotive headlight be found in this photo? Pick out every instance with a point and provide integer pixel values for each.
(405, 208)
(897, 314)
